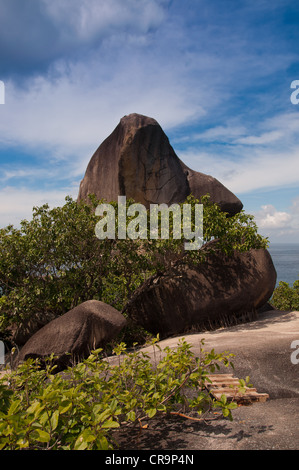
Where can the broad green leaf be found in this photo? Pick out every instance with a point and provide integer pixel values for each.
(131, 416)
(223, 399)
(156, 395)
(151, 412)
(110, 424)
(80, 444)
(102, 443)
(195, 375)
(65, 406)
(41, 436)
(113, 404)
(13, 407)
(22, 443)
(4, 442)
(54, 420)
(97, 351)
(35, 407)
(88, 435)
(103, 416)
(232, 406)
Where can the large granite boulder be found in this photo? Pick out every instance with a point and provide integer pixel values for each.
(72, 336)
(199, 296)
(137, 161)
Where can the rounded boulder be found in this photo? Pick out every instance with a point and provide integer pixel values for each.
(75, 334)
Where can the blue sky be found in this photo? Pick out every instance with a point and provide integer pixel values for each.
(215, 74)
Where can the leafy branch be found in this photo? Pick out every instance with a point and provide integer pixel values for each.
(83, 407)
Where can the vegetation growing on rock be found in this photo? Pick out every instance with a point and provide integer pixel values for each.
(55, 262)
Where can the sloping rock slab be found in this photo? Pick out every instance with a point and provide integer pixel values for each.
(72, 336)
(195, 296)
(263, 351)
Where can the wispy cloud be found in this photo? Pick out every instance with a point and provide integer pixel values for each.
(96, 18)
(267, 159)
(266, 138)
(66, 29)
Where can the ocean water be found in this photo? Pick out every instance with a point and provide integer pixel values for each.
(285, 257)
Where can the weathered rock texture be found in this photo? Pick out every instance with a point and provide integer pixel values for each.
(137, 161)
(72, 336)
(198, 296)
(21, 333)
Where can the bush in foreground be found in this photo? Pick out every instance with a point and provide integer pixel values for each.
(81, 408)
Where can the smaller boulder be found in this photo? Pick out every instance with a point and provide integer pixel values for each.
(75, 334)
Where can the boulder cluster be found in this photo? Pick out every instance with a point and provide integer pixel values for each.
(137, 161)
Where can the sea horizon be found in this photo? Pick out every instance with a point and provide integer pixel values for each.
(285, 256)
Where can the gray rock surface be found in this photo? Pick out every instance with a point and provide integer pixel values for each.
(263, 351)
(137, 161)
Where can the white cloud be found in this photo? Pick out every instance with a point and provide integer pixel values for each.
(69, 112)
(264, 170)
(111, 58)
(19, 202)
(266, 138)
(225, 133)
(248, 162)
(279, 225)
(243, 170)
(34, 33)
(271, 218)
(281, 128)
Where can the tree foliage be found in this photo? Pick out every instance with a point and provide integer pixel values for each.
(54, 261)
(286, 297)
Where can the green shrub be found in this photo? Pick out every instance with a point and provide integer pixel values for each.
(82, 407)
(286, 297)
